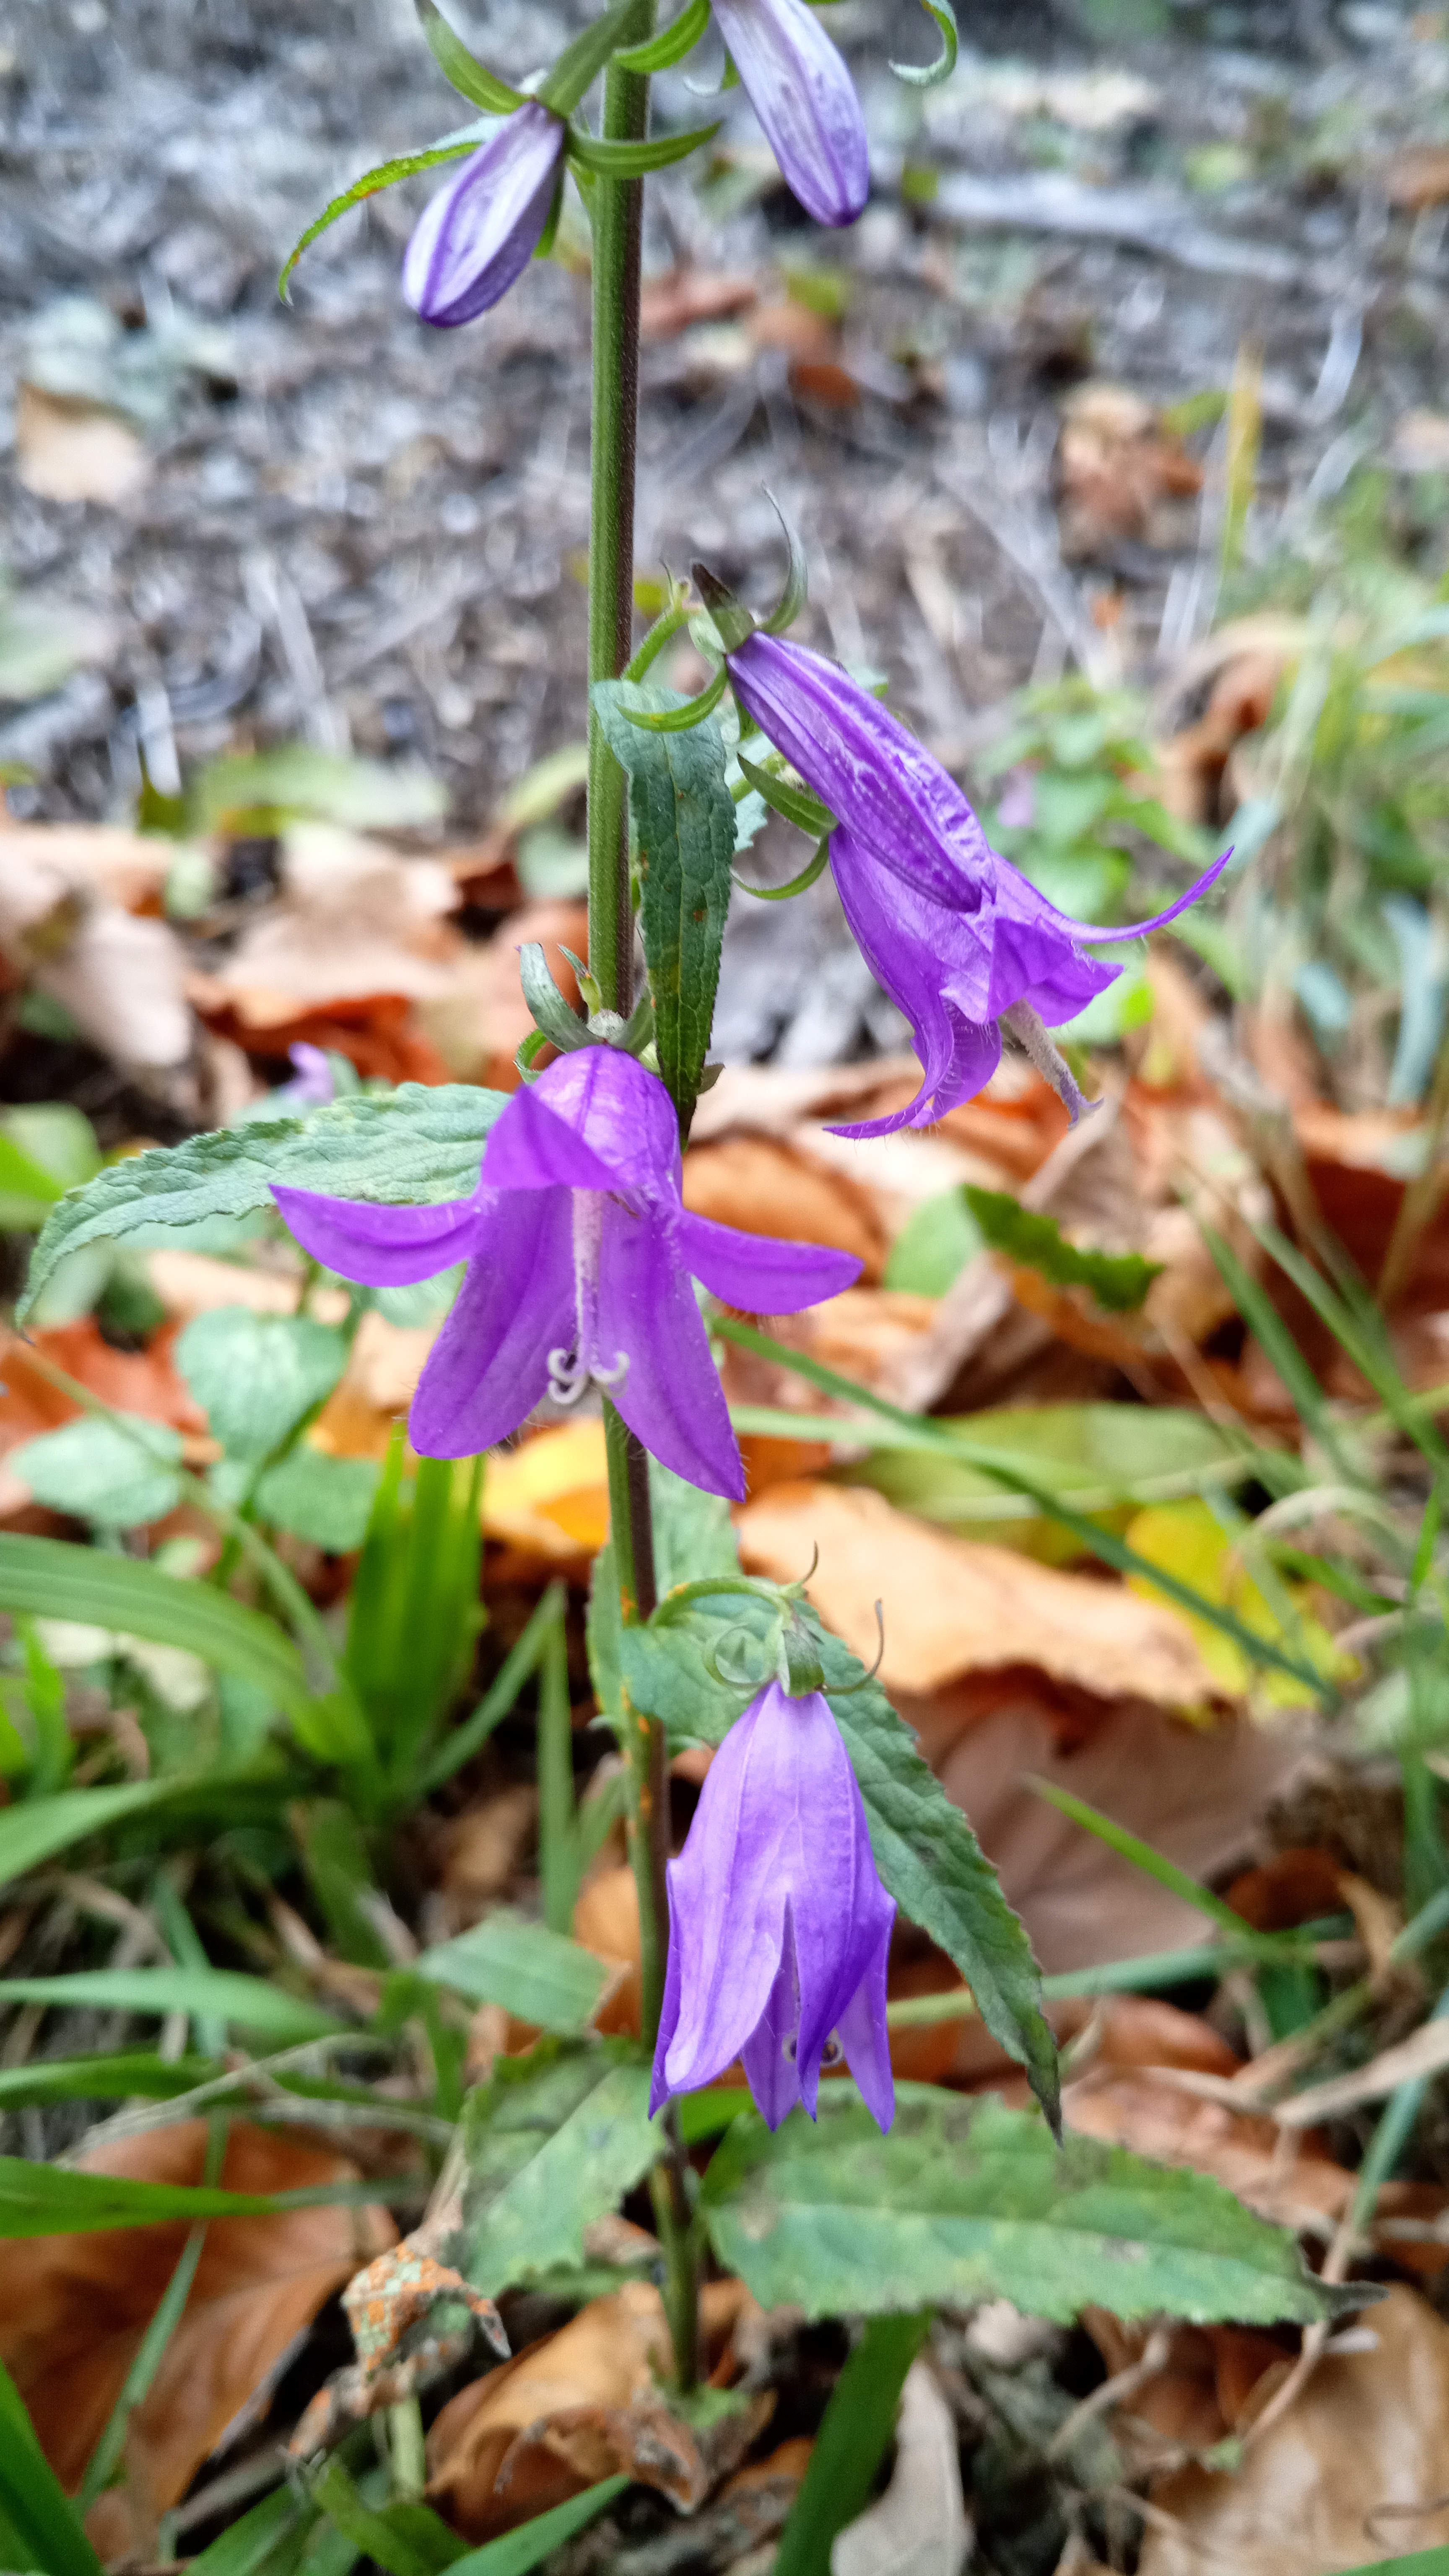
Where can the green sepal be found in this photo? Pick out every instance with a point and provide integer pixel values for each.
(561, 1026)
(804, 1671)
(732, 621)
(797, 578)
(797, 885)
(543, 247)
(671, 45)
(580, 63)
(679, 719)
(926, 75)
(528, 1054)
(609, 160)
(457, 65)
(797, 804)
(385, 175)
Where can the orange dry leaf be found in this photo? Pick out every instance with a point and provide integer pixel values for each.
(76, 2307)
(580, 2405)
(550, 1496)
(768, 1186)
(671, 302)
(1117, 466)
(1352, 2473)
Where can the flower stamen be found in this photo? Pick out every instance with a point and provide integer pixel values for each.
(571, 1372)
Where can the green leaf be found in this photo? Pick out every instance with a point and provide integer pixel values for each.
(118, 1470)
(32, 2499)
(420, 1143)
(926, 75)
(35, 1831)
(538, 1975)
(404, 2539)
(1118, 1280)
(934, 1245)
(515, 2552)
(50, 2200)
(245, 2548)
(386, 175)
(965, 2200)
(53, 1580)
(458, 66)
(113, 2076)
(224, 1994)
(322, 1499)
(633, 161)
(262, 790)
(1102, 1456)
(552, 2141)
(683, 820)
(255, 1376)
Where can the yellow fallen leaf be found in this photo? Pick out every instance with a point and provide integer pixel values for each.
(552, 1494)
(1186, 1539)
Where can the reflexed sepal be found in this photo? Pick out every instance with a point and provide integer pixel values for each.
(732, 620)
(469, 77)
(560, 1025)
(386, 175)
(926, 75)
(671, 45)
(611, 160)
(580, 63)
(801, 884)
(680, 719)
(797, 577)
(797, 804)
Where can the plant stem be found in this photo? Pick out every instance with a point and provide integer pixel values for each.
(616, 208)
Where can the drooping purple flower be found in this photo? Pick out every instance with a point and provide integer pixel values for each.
(959, 938)
(478, 234)
(580, 1253)
(778, 1923)
(312, 1085)
(797, 83)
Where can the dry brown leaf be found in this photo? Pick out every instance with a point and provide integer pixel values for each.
(1418, 177)
(575, 2408)
(919, 2526)
(120, 977)
(134, 1381)
(549, 1497)
(76, 2308)
(952, 1607)
(1204, 2387)
(1341, 2480)
(479, 1022)
(606, 1921)
(68, 449)
(768, 1186)
(1116, 468)
(680, 296)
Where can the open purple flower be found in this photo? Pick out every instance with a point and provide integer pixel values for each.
(778, 1923)
(579, 1252)
(478, 234)
(797, 83)
(961, 941)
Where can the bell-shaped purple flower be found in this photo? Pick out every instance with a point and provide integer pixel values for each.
(478, 234)
(312, 1085)
(580, 1253)
(959, 938)
(797, 83)
(778, 1923)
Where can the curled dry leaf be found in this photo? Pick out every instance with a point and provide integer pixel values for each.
(1353, 2473)
(120, 977)
(77, 2306)
(579, 2406)
(919, 2526)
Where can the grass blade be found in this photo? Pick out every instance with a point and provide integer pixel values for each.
(850, 2444)
(32, 2499)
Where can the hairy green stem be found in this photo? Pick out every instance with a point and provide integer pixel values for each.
(616, 208)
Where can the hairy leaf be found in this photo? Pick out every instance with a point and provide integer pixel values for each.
(118, 1471)
(551, 2142)
(966, 2200)
(1118, 1280)
(322, 1499)
(255, 1376)
(539, 1975)
(683, 820)
(420, 1143)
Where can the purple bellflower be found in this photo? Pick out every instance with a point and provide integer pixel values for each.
(580, 1253)
(961, 941)
(778, 1923)
(478, 234)
(797, 83)
(312, 1085)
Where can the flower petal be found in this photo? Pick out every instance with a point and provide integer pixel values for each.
(670, 1394)
(726, 1907)
(594, 1120)
(770, 2057)
(933, 965)
(865, 2038)
(842, 1914)
(488, 1367)
(478, 234)
(760, 1272)
(800, 89)
(384, 1247)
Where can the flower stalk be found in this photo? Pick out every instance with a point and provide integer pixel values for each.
(616, 208)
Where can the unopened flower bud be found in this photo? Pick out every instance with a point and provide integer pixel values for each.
(478, 234)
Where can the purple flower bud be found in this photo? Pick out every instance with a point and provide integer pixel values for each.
(798, 85)
(479, 232)
(312, 1086)
(580, 1253)
(778, 1923)
(958, 937)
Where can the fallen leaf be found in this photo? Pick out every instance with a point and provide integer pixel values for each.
(576, 2407)
(1352, 2474)
(77, 2306)
(68, 449)
(481, 1850)
(1418, 177)
(133, 1381)
(952, 1607)
(550, 1495)
(680, 296)
(606, 1921)
(1116, 467)
(770, 1186)
(919, 2526)
(120, 977)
